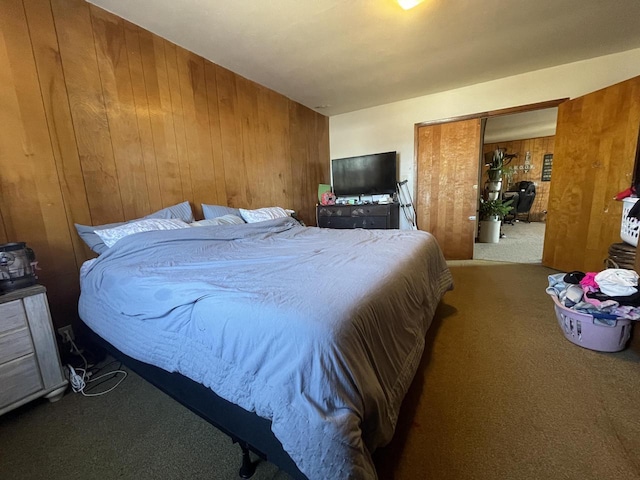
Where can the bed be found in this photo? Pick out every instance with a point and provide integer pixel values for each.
(314, 334)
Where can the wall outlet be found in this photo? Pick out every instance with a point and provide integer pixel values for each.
(66, 333)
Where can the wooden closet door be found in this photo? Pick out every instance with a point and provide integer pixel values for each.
(596, 140)
(447, 178)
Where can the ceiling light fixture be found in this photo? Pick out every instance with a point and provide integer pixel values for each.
(407, 4)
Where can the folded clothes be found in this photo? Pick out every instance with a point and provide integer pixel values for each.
(632, 313)
(604, 304)
(617, 282)
(607, 322)
(574, 277)
(630, 300)
(557, 285)
(604, 309)
(589, 280)
(573, 294)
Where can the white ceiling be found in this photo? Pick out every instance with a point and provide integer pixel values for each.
(520, 126)
(347, 55)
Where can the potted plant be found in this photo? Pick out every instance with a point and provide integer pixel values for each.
(491, 213)
(495, 166)
(499, 160)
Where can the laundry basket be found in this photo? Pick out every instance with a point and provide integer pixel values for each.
(579, 328)
(629, 227)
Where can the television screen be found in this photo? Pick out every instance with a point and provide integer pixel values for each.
(364, 175)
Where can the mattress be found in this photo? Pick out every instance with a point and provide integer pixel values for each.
(318, 330)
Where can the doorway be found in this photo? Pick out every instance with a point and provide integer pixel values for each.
(595, 146)
(526, 181)
(449, 177)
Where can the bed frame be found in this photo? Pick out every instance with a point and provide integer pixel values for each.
(251, 432)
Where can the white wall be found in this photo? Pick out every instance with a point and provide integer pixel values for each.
(391, 126)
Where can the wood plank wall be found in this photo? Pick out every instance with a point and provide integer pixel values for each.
(538, 147)
(596, 142)
(103, 121)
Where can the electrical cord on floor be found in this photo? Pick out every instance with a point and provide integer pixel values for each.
(108, 376)
(79, 381)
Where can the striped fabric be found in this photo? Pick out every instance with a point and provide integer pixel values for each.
(181, 211)
(215, 211)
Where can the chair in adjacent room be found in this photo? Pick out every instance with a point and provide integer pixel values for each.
(523, 198)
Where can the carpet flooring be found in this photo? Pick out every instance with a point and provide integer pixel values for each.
(133, 432)
(500, 394)
(522, 243)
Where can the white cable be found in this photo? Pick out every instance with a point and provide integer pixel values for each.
(79, 382)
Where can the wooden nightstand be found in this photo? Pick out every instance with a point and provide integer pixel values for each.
(29, 362)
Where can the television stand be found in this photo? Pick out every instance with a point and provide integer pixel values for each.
(370, 216)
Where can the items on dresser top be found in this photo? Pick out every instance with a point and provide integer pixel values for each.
(17, 266)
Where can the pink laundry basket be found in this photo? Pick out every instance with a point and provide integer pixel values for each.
(579, 328)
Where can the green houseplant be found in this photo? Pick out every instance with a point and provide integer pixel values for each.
(494, 210)
(499, 160)
(491, 212)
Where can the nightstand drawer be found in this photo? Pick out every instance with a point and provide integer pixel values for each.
(12, 316)
(372, 215)
(14, 345)
(370, 211)
(336, 222)
(29, 362)
(334, 211)
(20, 378)
(372, 223)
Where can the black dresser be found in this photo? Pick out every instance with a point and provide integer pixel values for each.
(359, 216)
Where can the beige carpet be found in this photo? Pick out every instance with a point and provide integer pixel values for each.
(522, 243)
(500, 395)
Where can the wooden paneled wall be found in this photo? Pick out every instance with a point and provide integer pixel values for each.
(538, 148)
(596, 142)
(102, 121)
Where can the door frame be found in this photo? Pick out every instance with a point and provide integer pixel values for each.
(496, 113)
(484, 116)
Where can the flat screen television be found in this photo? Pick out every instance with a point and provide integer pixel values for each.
(373, 174)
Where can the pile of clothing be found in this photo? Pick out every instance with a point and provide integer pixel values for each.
(607, 295)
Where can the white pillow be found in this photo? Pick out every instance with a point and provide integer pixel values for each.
(111, 235)
(223, 220)
(181, 211)
(262, 214)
